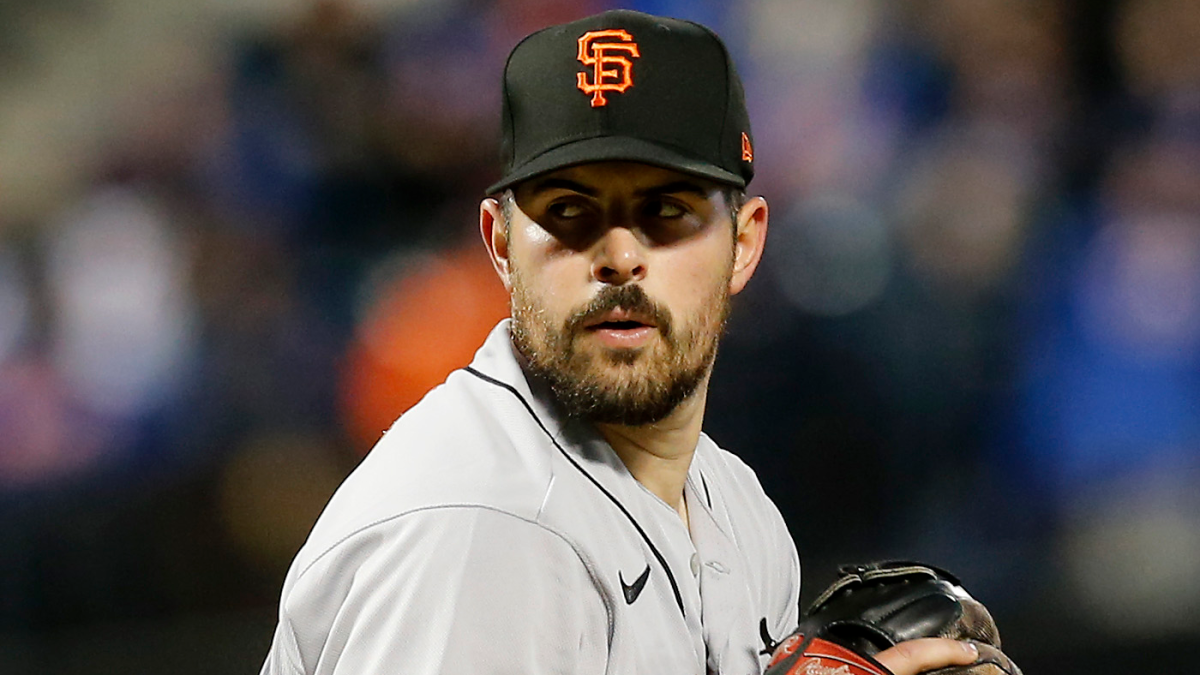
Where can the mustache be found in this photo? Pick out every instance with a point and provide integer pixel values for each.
(629, 298)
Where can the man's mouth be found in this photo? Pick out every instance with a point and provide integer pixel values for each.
(620, 319)
(621, 329)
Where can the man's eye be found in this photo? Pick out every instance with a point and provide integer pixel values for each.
(566, 210)
(664, 209)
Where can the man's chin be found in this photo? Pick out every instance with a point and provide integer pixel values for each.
(620, 408)
(622, 358)
(632, 394)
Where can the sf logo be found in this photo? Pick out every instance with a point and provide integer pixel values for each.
(608, 52)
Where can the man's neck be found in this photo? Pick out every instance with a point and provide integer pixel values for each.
(659, 455)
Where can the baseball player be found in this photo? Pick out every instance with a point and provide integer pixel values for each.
(554, 507)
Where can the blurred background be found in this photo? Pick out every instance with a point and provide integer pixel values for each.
(238, 238)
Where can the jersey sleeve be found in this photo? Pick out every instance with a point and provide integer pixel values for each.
(445, 590)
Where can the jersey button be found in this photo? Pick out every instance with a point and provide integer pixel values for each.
(695, 564)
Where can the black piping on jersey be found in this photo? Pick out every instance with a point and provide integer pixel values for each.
(658, 556)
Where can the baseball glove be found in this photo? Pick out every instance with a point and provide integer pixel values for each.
(872, 607)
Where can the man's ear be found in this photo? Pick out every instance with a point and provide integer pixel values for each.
(494, 229)
(748, 245)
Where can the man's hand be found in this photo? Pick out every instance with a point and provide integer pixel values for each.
(917, 656)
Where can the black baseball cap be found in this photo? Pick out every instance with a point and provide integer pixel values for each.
(623, 85)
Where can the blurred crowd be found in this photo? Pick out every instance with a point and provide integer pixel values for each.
(975, 337)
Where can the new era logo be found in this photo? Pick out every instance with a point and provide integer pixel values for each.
(608, 52)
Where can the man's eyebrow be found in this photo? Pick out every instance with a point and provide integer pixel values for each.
(564, 184)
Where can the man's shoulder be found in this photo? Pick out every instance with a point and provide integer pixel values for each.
(466, 444)
(398, 577)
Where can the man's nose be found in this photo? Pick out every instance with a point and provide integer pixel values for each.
(620, 257)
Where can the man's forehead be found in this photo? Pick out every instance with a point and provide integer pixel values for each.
(596, 178)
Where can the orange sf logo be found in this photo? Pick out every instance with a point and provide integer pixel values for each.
(608, 52)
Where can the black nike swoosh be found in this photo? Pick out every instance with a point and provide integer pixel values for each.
(632, 591)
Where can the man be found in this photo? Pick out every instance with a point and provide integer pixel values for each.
(554, 507)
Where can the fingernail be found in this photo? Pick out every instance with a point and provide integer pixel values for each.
(970, 648)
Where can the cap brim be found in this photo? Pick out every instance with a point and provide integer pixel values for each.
(615, 148)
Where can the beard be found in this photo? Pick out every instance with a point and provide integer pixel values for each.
(632, 387)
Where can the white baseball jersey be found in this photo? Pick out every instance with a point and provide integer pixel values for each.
(486, 534)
